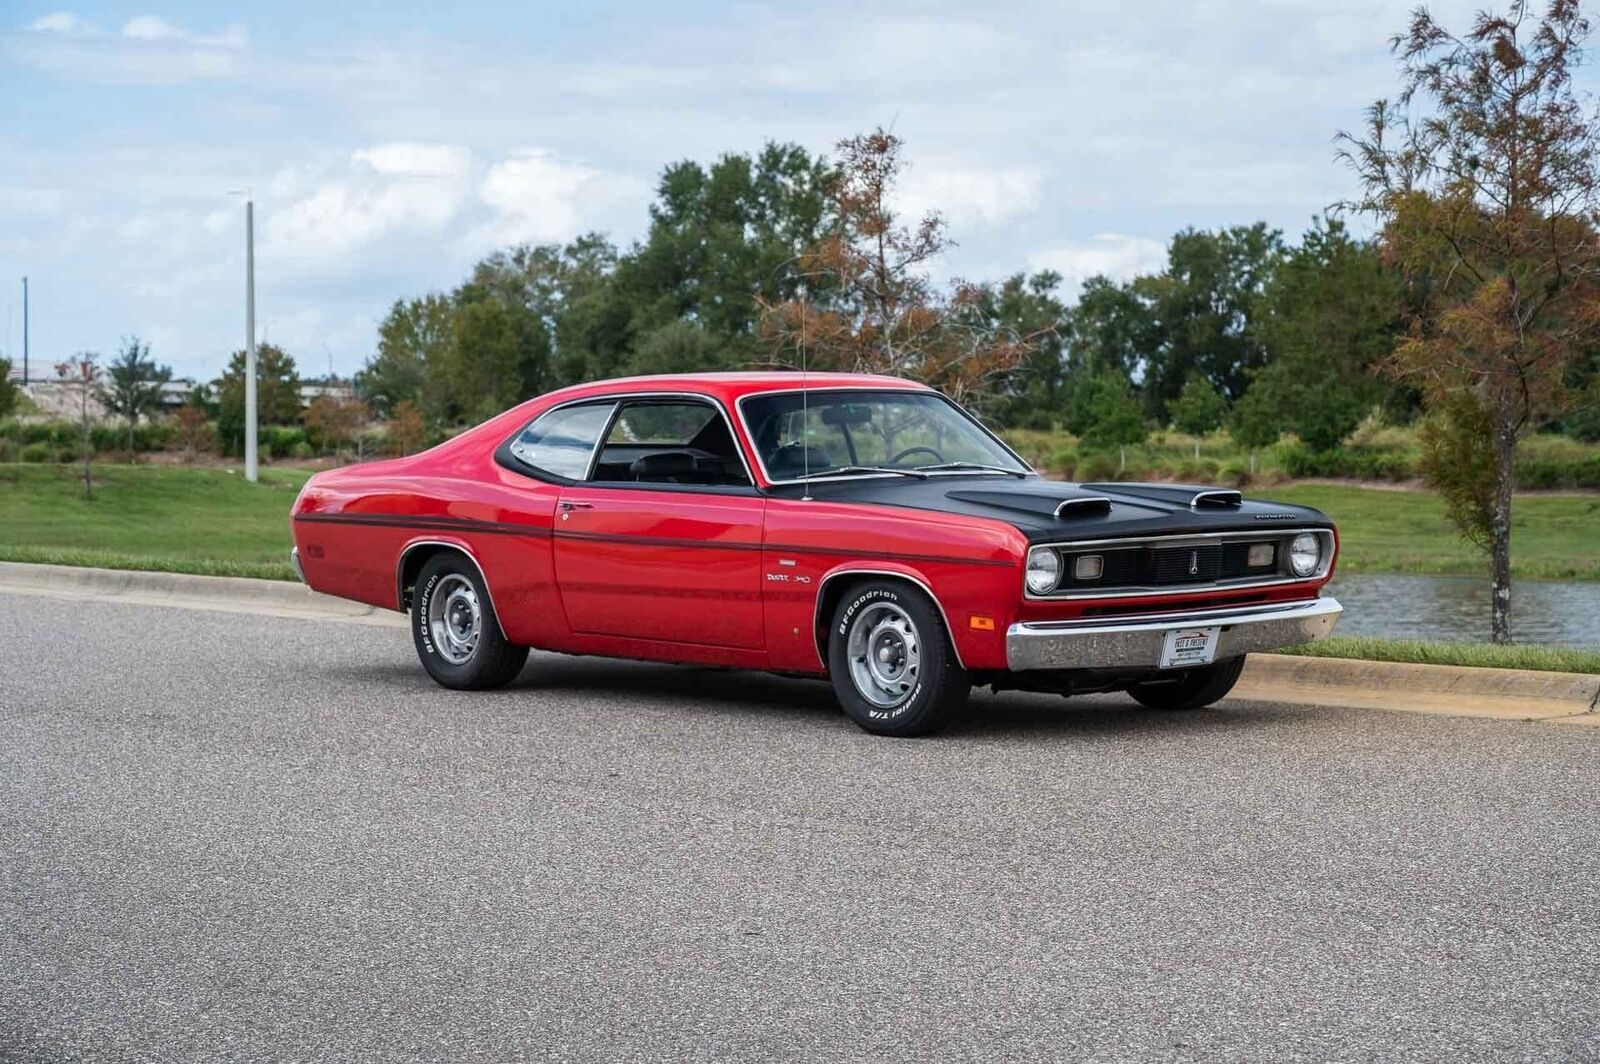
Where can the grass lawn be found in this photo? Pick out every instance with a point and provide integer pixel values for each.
(1475, 655)
(1553, 537)
(186, 520)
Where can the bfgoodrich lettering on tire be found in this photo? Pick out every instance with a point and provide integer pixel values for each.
(891, 661)
(453, 625)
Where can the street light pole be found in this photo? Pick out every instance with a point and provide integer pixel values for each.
(250, 340)
(24, 330)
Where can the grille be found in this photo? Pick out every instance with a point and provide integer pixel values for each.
(1156, 566)
(1185, 565)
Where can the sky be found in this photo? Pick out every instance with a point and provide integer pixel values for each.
(389, 144)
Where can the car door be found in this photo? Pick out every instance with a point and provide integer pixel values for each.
(661, 540)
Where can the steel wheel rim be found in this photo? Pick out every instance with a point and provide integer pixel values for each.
(885, 654)
(454, 618)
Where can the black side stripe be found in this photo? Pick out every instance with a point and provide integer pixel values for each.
(502, 528)
(427, 524)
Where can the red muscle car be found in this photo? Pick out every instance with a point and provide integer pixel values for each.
(865, 529)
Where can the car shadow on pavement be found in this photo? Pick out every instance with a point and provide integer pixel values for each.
(702, 690)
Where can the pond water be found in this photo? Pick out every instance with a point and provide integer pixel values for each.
(1455, 609)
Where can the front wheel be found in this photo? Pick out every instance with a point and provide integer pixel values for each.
(1191, 688)
(455, 630)
(892, 663)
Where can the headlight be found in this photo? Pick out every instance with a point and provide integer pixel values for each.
(1044, 570)
(1305, 553)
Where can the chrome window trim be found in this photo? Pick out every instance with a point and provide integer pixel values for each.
(963, 411)
(1179, 539)
(539, 472)
(617, 399)
(822, 585)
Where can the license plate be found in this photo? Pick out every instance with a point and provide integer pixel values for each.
(1183, 647)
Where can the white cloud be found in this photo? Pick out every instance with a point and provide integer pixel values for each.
(364, 203)
(416, 160)
(61, 22)
(1111, 254)
(149, 50)
(969, 196)
(151, 28)
(538, 197)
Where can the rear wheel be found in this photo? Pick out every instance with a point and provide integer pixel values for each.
(457, 635)
(892, 663)
(1190, 689)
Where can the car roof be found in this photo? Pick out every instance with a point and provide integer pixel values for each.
(731, 387)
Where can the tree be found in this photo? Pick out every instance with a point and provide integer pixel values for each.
(406, 431)
(133, 385)
(81, 375)
(332, 422)
(1199, 408)
(1105, 415)
(679, 347)
(1255, 421)
(10, 394)
(874, 309)
(1033, 393)
(194, 429)
(1109, 328)
(726, 240)
(1331, 316)
(1488, 194)
(277, 394)
(1206, 308)
(499, 354)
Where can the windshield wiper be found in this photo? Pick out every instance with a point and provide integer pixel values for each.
(854, 470)
(975, 466)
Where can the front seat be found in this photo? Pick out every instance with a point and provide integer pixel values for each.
(794, 460)
(666, 467)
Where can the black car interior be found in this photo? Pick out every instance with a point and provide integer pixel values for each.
(710, 456)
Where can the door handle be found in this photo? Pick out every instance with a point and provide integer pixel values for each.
(568, 507)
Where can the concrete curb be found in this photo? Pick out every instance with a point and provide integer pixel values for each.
(230, 594)
(1505, 694)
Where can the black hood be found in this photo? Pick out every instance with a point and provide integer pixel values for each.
(1050, 511)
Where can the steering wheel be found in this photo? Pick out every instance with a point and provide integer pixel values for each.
(913, 450)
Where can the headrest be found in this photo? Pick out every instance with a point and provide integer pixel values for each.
(664, 464)
(796, 459)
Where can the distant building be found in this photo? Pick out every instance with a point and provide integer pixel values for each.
(343, 391)
(175, 393)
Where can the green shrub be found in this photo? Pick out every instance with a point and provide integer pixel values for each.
(1235, 473)
(278, 441)
(1539, 473)
(1198, 470)
(1346, 462)
(301, 450)
(1064, 461)
(1097, 467)
(36, 452)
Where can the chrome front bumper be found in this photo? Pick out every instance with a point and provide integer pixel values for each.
(1104, 643)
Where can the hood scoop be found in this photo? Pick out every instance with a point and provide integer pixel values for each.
(1085, 506)
(1038, 505)
(1192, 496)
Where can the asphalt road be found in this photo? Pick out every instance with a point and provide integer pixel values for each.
(225, 836)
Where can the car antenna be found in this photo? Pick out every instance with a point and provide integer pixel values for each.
(805, 404)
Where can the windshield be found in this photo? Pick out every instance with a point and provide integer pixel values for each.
(818, 431)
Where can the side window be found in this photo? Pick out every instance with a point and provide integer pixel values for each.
(670, 442)
(562, 441)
